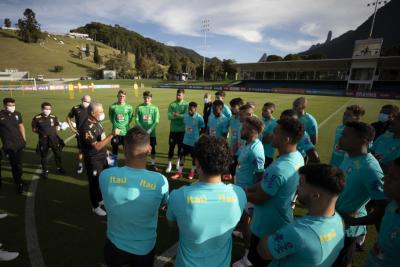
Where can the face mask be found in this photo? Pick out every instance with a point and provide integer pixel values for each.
(85, 104)
(11, 109)
(383, 117)
(46, 112)
(101, 117)
(206, 101)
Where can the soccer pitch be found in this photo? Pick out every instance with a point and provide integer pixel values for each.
(58, 214)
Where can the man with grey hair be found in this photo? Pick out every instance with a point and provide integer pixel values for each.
(80, 115)
(94, 142)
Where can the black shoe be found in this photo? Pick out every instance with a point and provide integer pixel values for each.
(61, 170)
(21, 188)
(45, 175)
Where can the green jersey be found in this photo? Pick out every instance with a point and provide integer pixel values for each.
(176, 113)
(121, 116)
(147, 117)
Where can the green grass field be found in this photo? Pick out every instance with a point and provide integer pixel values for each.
(69, 233)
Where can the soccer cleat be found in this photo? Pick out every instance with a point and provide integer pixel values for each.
(169, 168)
(80, 169)
(176, 176)
(8, 256)
(191, 175)
(61, 170)
(99, 211)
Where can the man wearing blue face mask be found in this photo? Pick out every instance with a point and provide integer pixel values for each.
(385, 118)
(12, 134)
(46, 126)
(94, 142)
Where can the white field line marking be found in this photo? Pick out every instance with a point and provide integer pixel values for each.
(32, 240)
(167, 255)
(334, 113)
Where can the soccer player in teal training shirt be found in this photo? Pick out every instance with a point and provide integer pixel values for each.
(220, 95)
(273, 196)
(206, 212)
(387, 147)
(317, 238)
(363, 183)
(352, 113)
(218, 125)
(266, 137)
(308, 120)
(234, 126)
(194, 123)
(132, 196)
(385, 252)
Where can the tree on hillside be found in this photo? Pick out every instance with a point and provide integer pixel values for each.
(29, 28)
(214, 70)
(7, 22)
(87, 51)
(291, 57)
(175, 67)
(274, 58)
(229, 68)
(96, 56)
(121, 65)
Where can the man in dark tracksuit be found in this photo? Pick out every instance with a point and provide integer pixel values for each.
(12, 134)
(46, 126)
(94, 142)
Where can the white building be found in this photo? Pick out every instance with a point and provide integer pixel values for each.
(77, 35)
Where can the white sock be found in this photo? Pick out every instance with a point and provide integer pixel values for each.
(180, 169)
(177, 162)
(193, 168)
(80, 164)
(169, 163)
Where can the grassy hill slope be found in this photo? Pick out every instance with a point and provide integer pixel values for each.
(41, 58)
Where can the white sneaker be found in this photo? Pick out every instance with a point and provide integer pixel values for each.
(3, 215)
(243, 262)
(169, 168)
(238, 234)
(99, 211)
(8, 256)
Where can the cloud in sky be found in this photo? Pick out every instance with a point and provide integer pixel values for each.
(250, 21)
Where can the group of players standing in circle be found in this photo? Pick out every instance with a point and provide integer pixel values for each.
(260, 191)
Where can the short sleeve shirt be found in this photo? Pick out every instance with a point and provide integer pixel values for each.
(10, 135)
(309, 241)
(193, 125)
(386, 148)
(269, 126)
(206, 214)
(132, 198)
(280, 182)
(310, 123)
(80, 114)
(218, 126)
(91, 133)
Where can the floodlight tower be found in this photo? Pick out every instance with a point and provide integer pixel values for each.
(376, 3)
(205, 27)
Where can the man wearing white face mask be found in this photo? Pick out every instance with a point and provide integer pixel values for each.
(12, 134)
(46, 126)
(94, 142)
(385, 118)
(80, 115)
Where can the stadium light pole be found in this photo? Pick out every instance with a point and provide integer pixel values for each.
(205, 27)
(376, 3)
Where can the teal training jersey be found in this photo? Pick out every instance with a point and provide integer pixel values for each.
(310, 123)
(234, 126)
(386, 251)
(206, 214)
(250, 162)
(310, 241)
(386, 148)
(227, 111)
(193, 125)
(280, 183)
(269, 126)
(218, 126)
(176, 113)
(337, 153)
(363, 183)
(121, 116)
(147, 117)
(132, 198)
(305, 144)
